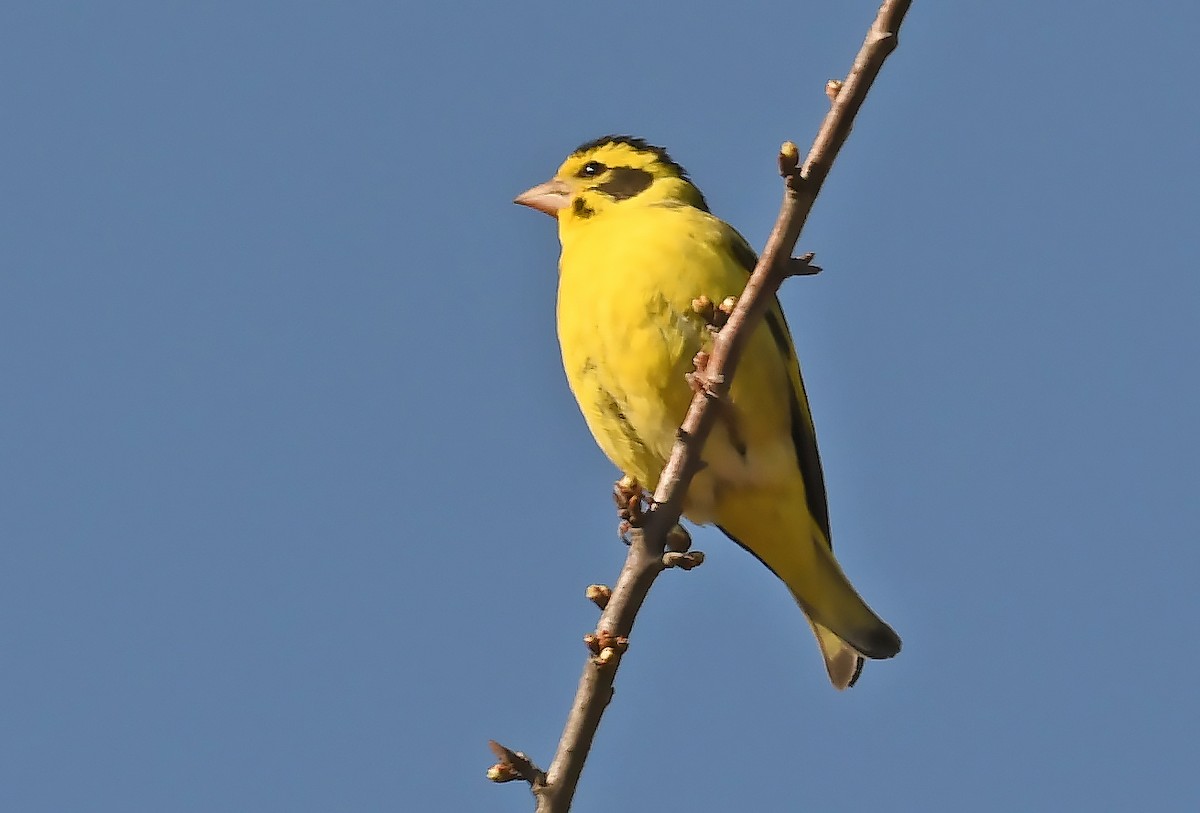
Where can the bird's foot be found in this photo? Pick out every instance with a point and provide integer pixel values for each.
(715, 315)
(633, 504)
(701, 382)
(695, 379)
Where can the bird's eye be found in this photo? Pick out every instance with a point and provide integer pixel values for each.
(591, 169)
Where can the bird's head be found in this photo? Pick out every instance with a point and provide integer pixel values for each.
(608, 172)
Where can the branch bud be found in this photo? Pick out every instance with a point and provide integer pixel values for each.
(599, 594)
(789, 158)
(678, 539)
(683, 561)
(502, 773)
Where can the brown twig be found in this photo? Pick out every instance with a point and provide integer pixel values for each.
(555, 788)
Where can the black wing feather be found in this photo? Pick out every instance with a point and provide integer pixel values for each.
(804, 437)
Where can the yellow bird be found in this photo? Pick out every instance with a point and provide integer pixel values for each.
(638, 246)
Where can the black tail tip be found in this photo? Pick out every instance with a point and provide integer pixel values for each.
(880, 643)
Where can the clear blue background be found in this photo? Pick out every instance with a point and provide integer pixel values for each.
(296, 508)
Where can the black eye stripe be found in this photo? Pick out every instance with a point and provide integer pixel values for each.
(625, 182)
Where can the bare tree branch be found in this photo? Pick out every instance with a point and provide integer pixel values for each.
(648, 549)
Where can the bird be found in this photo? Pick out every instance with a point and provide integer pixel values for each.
(638, 248)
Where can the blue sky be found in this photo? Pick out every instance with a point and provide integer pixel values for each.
(297, 509)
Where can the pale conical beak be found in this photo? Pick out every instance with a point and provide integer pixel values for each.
(548, 197)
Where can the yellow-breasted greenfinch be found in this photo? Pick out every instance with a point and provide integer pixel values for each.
(638, 247)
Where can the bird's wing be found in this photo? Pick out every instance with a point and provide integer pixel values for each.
(804, 436)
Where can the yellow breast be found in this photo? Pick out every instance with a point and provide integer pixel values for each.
(628, 336)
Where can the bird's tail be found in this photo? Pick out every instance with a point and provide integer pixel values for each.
(794, 547)
(843, 662)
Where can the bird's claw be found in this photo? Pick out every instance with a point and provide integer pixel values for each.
(633, 503)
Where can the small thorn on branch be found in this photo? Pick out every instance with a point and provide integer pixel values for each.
(599, 594)
(684, 561)
(833, 89)
(802, 266)
(512, 765)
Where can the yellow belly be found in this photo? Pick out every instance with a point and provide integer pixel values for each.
(628, 336)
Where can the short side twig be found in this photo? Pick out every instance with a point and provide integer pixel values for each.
(648, 554)
(511, 765)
